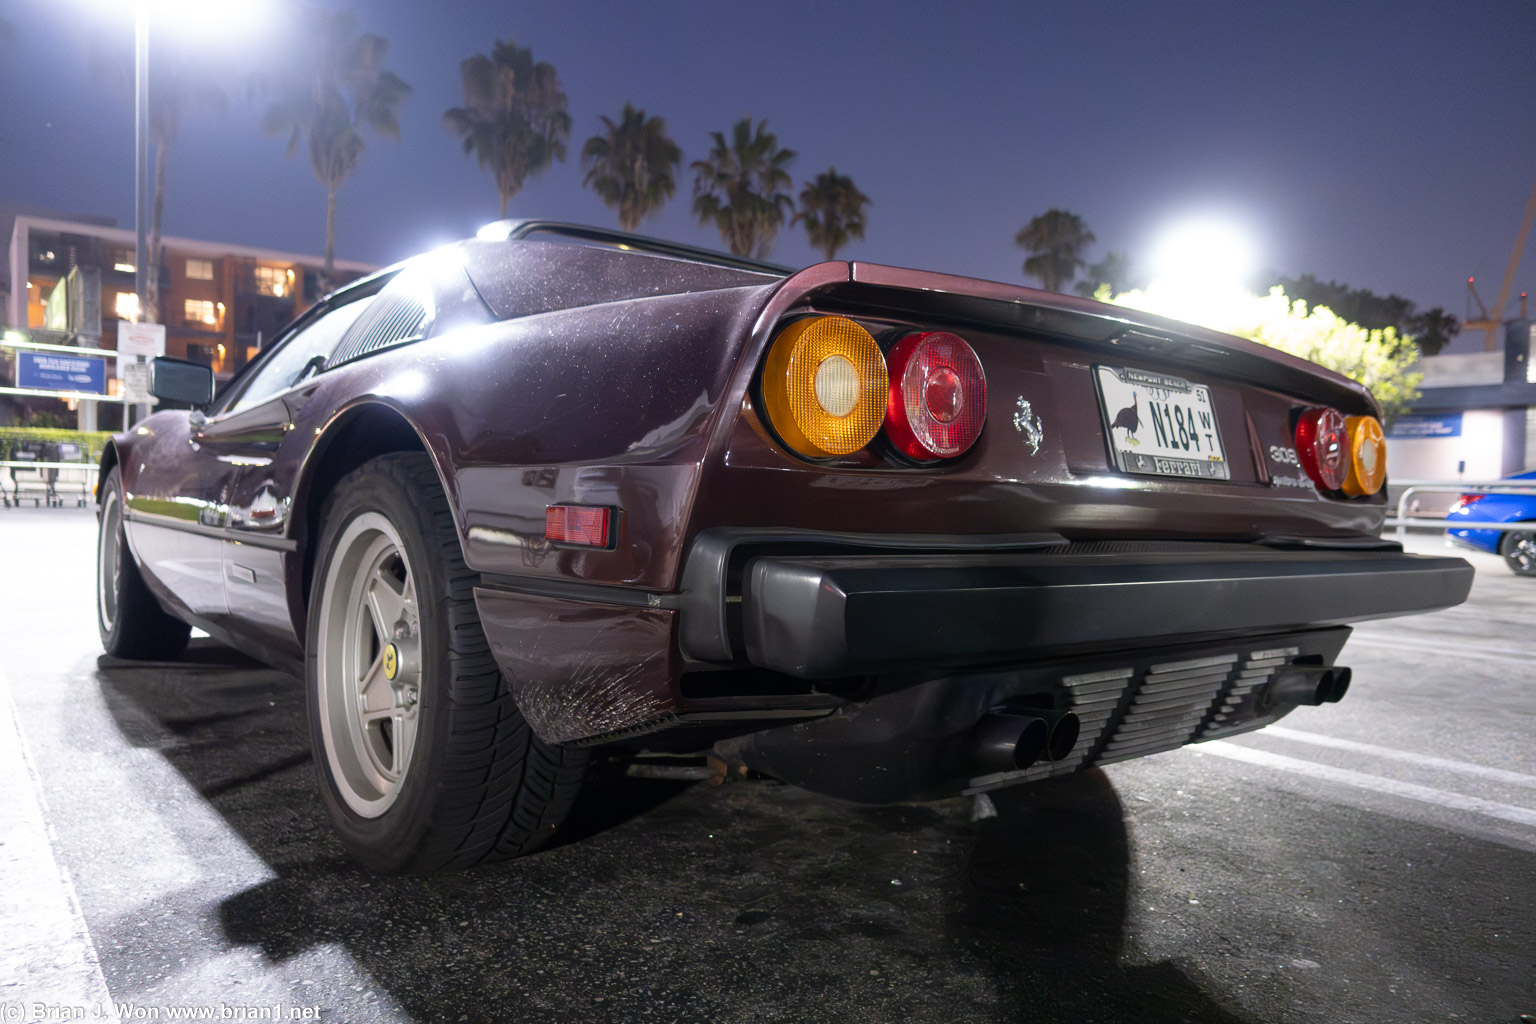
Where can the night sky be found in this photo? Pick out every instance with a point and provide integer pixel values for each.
(1391, 146)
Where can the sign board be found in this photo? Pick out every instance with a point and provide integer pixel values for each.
(1448, 425)
(137, 344)
(52, 371)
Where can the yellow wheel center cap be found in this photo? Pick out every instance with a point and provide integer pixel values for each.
(391, 662)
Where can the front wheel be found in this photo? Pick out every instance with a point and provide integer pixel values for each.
(1519, 550)
(425, 762)
(131, 622)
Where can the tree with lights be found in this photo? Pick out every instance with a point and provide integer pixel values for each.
(1382, 359)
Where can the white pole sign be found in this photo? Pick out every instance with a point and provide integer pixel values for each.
(137, 344)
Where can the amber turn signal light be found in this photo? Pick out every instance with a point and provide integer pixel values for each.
(1367, 456)
(825, 386)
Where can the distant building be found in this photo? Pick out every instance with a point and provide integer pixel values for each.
(1476, 419)
(219, 302)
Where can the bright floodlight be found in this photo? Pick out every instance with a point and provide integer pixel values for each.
(207, 21)
(1204, 253)
(194, 18)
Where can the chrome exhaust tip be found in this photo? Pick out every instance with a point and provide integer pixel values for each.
(1011, 739)
(1310, 685)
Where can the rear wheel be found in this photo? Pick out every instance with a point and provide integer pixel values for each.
(131, 622)
(425, 762)
(1519, 550)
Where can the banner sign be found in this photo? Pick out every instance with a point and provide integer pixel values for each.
(1448, 425)
(50, 371)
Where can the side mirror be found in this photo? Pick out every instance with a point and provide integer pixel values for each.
(177, 380)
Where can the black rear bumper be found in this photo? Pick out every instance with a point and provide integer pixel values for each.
(832, 616)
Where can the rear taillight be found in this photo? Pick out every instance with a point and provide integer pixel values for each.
(824, 386)
(1467, 499)
(938, 396)
(1320, 444)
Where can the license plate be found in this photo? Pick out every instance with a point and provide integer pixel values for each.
(1160, 425)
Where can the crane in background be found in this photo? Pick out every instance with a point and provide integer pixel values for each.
(1488, 322)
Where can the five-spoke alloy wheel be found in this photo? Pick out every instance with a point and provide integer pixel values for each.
(369, 664)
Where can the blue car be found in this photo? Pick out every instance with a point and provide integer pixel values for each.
(1517, 546)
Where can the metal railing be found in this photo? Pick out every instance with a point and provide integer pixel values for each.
(50, 484)
(1411, 487)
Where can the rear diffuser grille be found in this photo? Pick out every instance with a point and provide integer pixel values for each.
(1131, 712)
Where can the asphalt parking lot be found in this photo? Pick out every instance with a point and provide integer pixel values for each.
(161, 849)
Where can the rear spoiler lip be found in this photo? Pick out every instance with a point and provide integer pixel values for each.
(1078, 319)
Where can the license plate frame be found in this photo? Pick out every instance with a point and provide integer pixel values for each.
(1176, 434)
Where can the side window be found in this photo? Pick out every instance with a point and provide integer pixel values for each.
(288, 364)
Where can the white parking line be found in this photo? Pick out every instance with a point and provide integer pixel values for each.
(46, 953)
(1360, 780)
(1410, 756)
(1456, 649)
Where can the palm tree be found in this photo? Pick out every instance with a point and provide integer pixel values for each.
(514, 117)
(1056, 239)
(740, 187)
(832, 208)
(176, 87)
(335, 90)
(633, 167)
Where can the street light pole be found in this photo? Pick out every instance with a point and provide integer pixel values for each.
(141, 255)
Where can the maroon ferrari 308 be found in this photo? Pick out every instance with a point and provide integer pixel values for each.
(885, 534)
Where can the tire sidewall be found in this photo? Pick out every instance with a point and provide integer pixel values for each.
(112, 491)
(1506, 549)
(388, 842)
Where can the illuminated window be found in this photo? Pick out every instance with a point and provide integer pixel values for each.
(200, 311)
(127, 306)
(123, 261)
(277, 281)
(200, 270)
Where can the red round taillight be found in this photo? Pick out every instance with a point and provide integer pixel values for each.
(1322, 446)
(938, 396)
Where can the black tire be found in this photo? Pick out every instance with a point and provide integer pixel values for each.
(472, 784)
(1519, 550)
(131, 622)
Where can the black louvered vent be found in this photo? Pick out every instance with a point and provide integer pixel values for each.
(391, 319)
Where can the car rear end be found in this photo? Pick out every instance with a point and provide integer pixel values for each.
(952, 535)
(1491, 507)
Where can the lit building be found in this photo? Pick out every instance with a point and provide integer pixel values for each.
(219, 302)
(1476, 419)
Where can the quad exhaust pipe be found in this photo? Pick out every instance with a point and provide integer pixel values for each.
(1306, 684)
(1008, 739)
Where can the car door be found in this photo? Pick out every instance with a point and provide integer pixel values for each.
(259, 498)
(175, 510)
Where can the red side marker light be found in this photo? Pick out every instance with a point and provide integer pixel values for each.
(587, 525)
